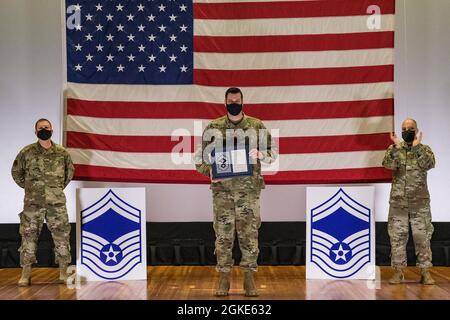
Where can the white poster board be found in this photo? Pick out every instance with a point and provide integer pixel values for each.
(340, 233)
(111, 238)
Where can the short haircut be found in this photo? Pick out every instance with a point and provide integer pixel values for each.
(42, 120)
(410, 119)
(233, 90)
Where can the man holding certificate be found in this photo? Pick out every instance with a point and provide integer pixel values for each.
(231, 152)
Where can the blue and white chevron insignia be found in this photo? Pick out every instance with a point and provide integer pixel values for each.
(340, 236)
(111, 244)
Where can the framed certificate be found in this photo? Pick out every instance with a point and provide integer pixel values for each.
(231, 162)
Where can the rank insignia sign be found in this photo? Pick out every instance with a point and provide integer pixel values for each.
(340, 233)
(231, 162)
(111, 234)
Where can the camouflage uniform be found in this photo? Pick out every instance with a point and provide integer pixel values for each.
(410, 202)
(236, 200)
(43, 174)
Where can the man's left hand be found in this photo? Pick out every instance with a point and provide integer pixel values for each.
(417, 139)
(255, 154)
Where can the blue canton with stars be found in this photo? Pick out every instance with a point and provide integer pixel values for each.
(129, 42)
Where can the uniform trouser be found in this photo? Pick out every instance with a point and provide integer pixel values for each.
(31, 222)
(419, 216)
(236, 211)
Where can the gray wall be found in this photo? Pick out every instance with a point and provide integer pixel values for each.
(30, 87)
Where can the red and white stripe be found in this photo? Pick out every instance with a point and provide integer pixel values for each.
(311, 69)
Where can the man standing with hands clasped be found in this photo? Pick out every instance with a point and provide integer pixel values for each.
(43, 169)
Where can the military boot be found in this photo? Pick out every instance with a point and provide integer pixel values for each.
(249, 285)
(398, 276)
(63, 273)
(25, 279)
(426, 277)
(223, 286)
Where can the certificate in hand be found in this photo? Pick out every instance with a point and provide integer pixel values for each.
(231, 162)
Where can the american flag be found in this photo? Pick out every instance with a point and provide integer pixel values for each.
(315, 70)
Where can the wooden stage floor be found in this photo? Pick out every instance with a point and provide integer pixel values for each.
(198, 282)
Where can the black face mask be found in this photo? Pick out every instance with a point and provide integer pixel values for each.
(44, 134)
(234, 108)
(408, 135)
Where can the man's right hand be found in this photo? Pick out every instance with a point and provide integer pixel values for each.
(395, 140)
